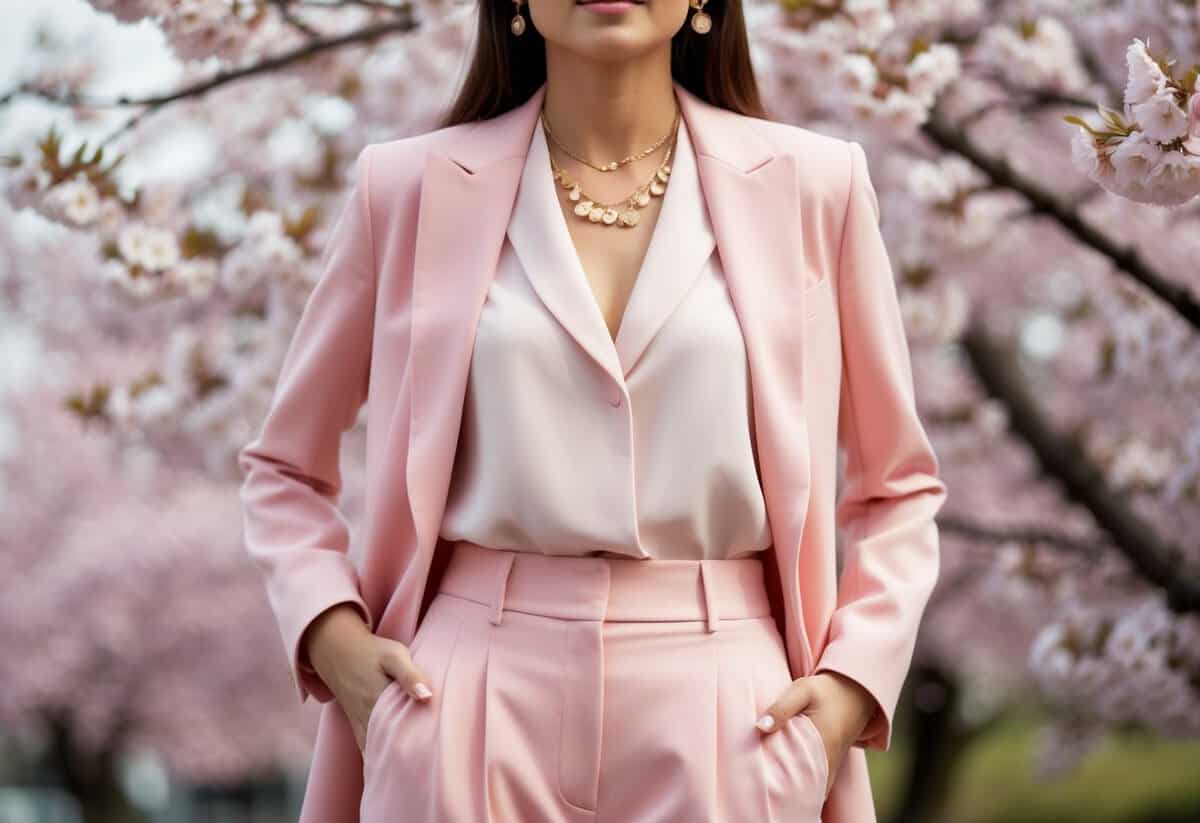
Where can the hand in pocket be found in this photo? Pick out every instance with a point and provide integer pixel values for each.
(820, 703)
(387, 662)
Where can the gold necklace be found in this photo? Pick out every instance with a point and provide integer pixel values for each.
(612, 165)
(622, 212)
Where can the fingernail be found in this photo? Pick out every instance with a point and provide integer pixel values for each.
(422, 690)
(765, 722)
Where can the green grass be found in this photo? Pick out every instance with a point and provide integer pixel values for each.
(1130, 778)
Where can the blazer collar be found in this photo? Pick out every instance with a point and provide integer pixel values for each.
(716, 132)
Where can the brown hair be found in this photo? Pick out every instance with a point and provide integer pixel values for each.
(505, 70)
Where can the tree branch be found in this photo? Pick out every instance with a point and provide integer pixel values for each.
(404, 23)
(1020, 534)
(1159, 563)
(283, 7)
(953, 139)
(383, 5)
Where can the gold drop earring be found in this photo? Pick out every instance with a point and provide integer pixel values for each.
(518, 22)
(701, 22)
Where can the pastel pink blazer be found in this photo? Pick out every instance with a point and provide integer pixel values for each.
(391, 322)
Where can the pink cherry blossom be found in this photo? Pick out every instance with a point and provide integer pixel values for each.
(1045, 275)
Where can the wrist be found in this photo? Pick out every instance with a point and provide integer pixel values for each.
(857, 696)
(333, 630)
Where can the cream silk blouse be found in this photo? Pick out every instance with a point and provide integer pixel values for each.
(573, 443)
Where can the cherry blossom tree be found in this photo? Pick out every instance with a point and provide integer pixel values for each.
(1037, 164)
(132, 624)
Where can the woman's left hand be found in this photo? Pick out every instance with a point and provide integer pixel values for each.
(837, 705)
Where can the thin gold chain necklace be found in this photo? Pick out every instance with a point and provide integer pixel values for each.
(621, 212)
(612, 165)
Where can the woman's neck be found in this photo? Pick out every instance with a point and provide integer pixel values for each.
(608, 111)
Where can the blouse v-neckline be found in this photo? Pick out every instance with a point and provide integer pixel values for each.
(680, 243)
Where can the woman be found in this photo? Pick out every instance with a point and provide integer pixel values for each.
(611, 325)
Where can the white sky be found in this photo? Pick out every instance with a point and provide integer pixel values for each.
(133, 58)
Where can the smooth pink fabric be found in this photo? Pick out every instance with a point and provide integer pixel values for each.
(392, 320)
(593, 689)
(662, 464)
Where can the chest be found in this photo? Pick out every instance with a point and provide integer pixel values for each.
(611, 257)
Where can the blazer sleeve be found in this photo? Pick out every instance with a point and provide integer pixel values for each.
(892, 488)
(293, 529)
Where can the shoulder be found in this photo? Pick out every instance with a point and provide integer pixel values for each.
(823, 161)
(827, 167)
(820, 148)
(832, 176)
(391, 169)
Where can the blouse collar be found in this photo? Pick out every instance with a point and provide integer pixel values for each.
(681, 242)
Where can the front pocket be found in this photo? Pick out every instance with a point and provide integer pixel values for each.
(794, 771)
(818, 742)
(392, 712)
(793, 766)
(373, 714)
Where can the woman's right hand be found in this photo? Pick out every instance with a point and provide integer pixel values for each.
(358, 665)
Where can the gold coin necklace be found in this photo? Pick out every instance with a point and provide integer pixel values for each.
(622, 212)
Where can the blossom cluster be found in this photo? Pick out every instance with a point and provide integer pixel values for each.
(1136, 664)
(241, 241)
(858, 57)
(1038, 53)
(197, 29)
(1150, 153)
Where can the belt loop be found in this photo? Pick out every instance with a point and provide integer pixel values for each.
(502, 570)
(710, 611)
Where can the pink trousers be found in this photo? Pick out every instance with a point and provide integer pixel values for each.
(593, 689)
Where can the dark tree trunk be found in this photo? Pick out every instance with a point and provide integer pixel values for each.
(936, 744)
(92, 780)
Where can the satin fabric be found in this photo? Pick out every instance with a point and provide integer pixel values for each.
(644, 452)
(593, 690)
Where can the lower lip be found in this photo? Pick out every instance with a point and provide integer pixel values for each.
(610, 8)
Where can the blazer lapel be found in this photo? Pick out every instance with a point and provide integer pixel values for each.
(682, 241)
(467, 194)
(753, 201)
(543, 244)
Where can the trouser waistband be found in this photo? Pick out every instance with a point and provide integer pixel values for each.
(606, 588)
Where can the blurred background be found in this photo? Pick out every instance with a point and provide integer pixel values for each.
(169, 170)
